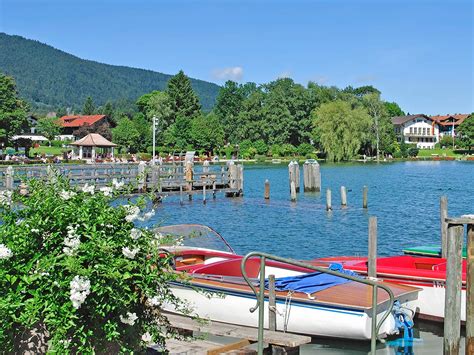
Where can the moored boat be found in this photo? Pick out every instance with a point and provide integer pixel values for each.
(427, 273)
(428, 250)
(332, 307)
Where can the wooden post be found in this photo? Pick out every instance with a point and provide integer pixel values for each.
(9, 178)
(365, 191)
(214, 189)
(294, 174)
(293, 191)
(266, 194)
(372, 262)
(343, 196)
(141, 176)
(189, 176)
(328, 200)
(181, 194)
(272, 320)
(452, 302)
(241, 177)
(204, 193)
(470, 290)
(443, 209)
(311, 176)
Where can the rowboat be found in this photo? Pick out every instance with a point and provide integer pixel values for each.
(428, 250)
(314, 303)
(426, 273)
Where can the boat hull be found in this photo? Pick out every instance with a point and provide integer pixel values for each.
(303, 318)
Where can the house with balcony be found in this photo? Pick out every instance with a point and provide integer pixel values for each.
(72, 123)
(419, 129)
(448, 124)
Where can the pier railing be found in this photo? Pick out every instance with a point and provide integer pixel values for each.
(260, 294)
(165, 178)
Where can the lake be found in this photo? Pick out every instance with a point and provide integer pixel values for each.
(404, 196)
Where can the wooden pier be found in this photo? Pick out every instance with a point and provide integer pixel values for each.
(278, 342)
(163, 179)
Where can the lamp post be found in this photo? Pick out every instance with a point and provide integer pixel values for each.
(154, 141)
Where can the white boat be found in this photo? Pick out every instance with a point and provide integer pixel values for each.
(216, 290)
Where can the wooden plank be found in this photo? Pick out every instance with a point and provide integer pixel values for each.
(236, 331)
(461, 220)
(470, 291)
(372, 262)
(452, 303)
(228, 347)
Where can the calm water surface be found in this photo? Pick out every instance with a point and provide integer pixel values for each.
(404, 197)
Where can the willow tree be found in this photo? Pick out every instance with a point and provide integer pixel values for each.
(341, 129)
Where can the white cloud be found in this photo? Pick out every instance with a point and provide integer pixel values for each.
(230, 73)
(320, 79)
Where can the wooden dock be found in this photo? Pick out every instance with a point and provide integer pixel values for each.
(166, 179)
(278, 342)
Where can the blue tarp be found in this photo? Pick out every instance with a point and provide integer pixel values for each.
(312, 282)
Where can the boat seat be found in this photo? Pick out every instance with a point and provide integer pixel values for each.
(229, 268)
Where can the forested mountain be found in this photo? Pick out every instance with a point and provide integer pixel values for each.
(50, 78)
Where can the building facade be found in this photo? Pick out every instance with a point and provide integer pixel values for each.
(73, 122)
(448, 124)
(419, 129)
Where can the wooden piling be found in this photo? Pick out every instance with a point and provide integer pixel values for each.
(372, 262)
(141, 183)
(181, 195)
(214, 190)
(9, 178)
(452, 303)
(365, 192)
(294, 174)
(470, 290)
(189, 176)
(204, 193)
(443, 209)
(293, 191)
(272, 320)
(311, 176)
(343, 196)
(267, 190)
(328, 200)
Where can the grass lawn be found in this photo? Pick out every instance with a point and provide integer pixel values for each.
(440, 152)
(48, 150)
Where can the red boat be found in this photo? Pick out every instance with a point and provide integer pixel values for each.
(424, 272)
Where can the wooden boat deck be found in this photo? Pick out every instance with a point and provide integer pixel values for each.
(349, 295)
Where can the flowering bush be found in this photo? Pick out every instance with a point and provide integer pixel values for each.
(75, 268)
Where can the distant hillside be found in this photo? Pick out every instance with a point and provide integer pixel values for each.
(48, 77)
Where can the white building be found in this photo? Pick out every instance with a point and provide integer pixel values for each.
(419, 129)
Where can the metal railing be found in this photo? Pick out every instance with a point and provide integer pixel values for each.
(260, 294)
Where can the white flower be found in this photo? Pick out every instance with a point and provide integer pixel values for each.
(106, 190)
(5, 252)
(130, 253)
(72, 241)
(132, 212)
(146, 338)
(6, 197)
(147, 216)
(129, 319)
(66, 195)
(117, 185)
(154, 301)
(88, 189)
(34, 230)
(80, 289)
(135, 233)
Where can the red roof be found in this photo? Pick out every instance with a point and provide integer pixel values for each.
(79, 120)
(448, 120)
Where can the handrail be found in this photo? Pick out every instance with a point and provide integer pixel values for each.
(260, 295)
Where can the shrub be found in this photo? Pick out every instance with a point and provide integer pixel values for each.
(276, 151)
(305, 149)
(412, 151)
(74, 266)
(446, 142)
(261, 147)
(288, 149)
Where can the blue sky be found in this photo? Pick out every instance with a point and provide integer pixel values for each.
(419, 53)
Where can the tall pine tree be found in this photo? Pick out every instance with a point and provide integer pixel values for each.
(89, 106)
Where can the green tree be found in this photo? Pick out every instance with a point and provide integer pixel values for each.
(342, 129)
(207, 132)
(49, 127)
(466, 129)
(393, 109)
(261, 147)
(126, 135)
(13, 110)
(108, 110)
(228, 106)
(89, 106)
(251, 122)
(159, 106)
(183, 99)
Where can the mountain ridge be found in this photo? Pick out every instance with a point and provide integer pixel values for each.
(48, 77)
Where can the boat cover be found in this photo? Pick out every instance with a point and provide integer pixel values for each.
(312, 282)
